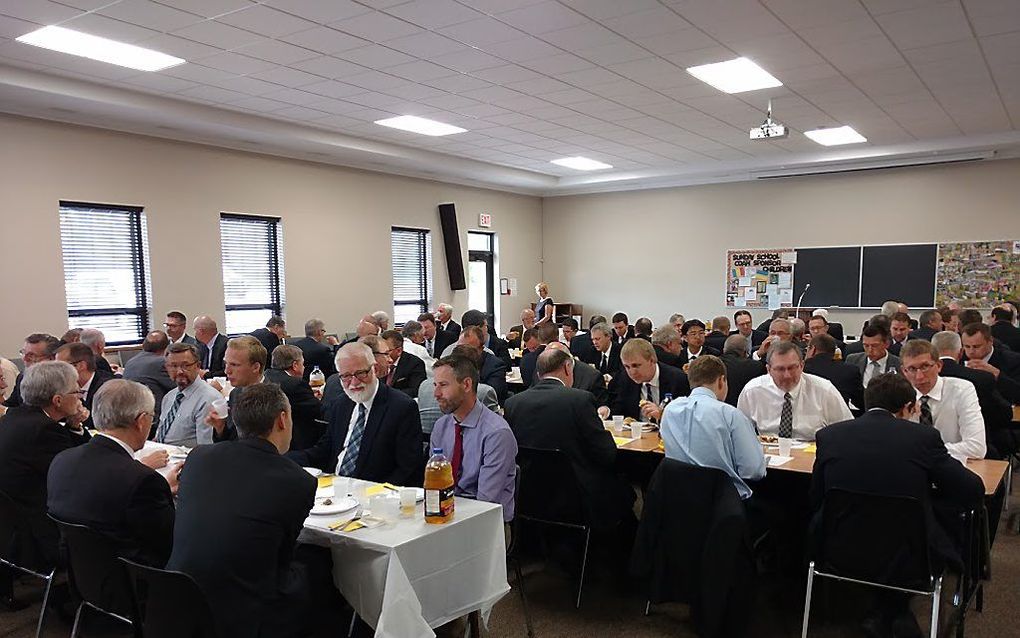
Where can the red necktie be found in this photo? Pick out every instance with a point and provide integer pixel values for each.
(458, 451)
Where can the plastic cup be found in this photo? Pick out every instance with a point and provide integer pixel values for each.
(635, 430)
(618, 423)
(785, 445)
(385, 507)
(220, 407)
(408, 500)
(341, 487)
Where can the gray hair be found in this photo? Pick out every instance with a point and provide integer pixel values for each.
(947, 342)
(675, 317)
(665, 335)
(603, 328)
(381, 318)
(779, 348)
(797, 327)
(445, 307)
(354, 349)
(92, 338)
(119, 402)
(45, 380)
(735, 344)
(179, 347)
(314, 325)
(285, 356)
(890, 308)
(411, 329)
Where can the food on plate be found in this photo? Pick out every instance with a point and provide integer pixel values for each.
(768, 438)
(629, 420)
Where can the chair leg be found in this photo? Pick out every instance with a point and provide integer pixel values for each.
(45, 604)
(648, 607)
(584, 564)
(354, 621)
(936, 601)
(77, 619)
(807, 598)
(524, 597)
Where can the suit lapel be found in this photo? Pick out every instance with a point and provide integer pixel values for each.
(375, 417)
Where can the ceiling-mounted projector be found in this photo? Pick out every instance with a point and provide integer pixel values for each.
(769, 129)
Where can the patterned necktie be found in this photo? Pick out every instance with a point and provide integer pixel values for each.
(786, 417)
(926, 417)
(354, 446)
(875, 370)
(648, 392)
(458, 450)
(169, 417)
(428, 347)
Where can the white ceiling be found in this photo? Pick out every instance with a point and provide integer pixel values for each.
(535, 80)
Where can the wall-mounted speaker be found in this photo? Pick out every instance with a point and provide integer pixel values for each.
(451, 244)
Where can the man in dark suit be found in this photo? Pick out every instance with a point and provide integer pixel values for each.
(436, 339)
(1003, 328)
(176, 325)
(31, 434)
(693, 333)
(643, 329)
(256, 501)
(716, 339)
(668, 345)
(38, 347)
(982, 354)
(316, 353)
(586, 377)
(847, 378)
(208, 334)
(287, 371)
(90, 380)
(494, 344)
(553, 415)
(272, 335)
(607, 351)
(899, 331)
(245, 360)
(123, 498)
(819, 325)
(547, 333)
(444, 319)
(764, 326)
(581, 345)
(374, 432)
(740, 368)
(930, 323)
(875, 359)
(884, 453)
(513, 336)
(880, 322)
(96, 341)
(641, 388)
(745, 328)
(622, 330)
(406, 370)
(148, 367)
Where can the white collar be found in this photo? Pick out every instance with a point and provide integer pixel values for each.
(883, 362)
(795, 392)
(935, 392)
(88, 384)
(555, 379)
(124, 445)
(655, 378)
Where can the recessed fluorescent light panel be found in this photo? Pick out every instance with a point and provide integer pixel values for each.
(836, 136)
(420, 125)
(581, 163)
(101, 49)
(735, 76)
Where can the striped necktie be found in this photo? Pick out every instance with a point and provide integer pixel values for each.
(926, 415)
(786, 417)
(350, 461)
(168, 418)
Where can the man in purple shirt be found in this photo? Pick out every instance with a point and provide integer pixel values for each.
(478, 442)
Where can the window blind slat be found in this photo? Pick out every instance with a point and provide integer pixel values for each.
(411, 250)
(252, 273)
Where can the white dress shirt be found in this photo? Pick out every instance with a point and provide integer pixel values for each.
(420, 352)
(956, 414)
(656, 395)
(350, 426)
(869, 368)
(816, 404)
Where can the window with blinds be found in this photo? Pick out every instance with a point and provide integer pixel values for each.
(252, 270)
(412, 273)
(106, 270)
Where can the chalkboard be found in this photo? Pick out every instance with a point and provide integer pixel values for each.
(834, 275)
(905, 273)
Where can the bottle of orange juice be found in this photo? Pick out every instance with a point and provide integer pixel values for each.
(438, 488)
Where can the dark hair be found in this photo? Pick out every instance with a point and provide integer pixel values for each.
(970, 315)
(741, 312)
(155, 341)
(643, 326)
(947, 314)
(179, 347)
(474, 330)
(890, 392)
(875, 330)
(972, 329)
(548, 332)
(596, 319)
(255, 411)
(276, 322)
(79, 352)
(393, 337)
(179, 316)
(902, 317)
(705, 370)
(462, 366)
(620, 316)
(467, 351)
(529, 334)
(570, 322)
(472, 318)
(552, 360)
(823, 344)
(52, 343)
(72, 335)
(690, 323)
(881, 320)
(426, 316)
(1002, 314)
(928, 316)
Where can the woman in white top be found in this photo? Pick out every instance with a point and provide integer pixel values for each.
(545, 310)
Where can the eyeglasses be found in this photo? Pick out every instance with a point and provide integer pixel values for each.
(173, 325)
(912, 370)
(361, 374)
(180, 366)
(78, 393)
(382, 354)
(31, 357)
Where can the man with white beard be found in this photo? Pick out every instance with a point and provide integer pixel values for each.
(374, 432)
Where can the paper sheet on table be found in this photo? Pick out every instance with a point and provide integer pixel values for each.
(621, 440)
(750, 294)
(775, 461)
(745, 282)
(785, 280)
(788, 258)
(786, 295)
(325, 481)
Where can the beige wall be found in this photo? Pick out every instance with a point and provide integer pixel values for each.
(336, 224)
(658, 252)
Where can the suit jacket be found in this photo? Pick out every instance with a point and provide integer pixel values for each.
(923, 332)
(516, 342)
(757, 336)
(587, 378)
(149, 369)
(582, 348)
(553, 417)
(391, 449)
(244, 567)
(617, 339)
(122, 498)
(453, 328)
(100, 377)
(268, 339)
(740, 370)
(1008, 364)
(1008, 334)
(626, 395)
(500, 349)
(615, 366)
(860, 361)
(104, 365)
(408, 374)
(664, 356)
(493, 373)
(529, 366)
(846, 378)
(880, 454)
(442, 341)
(315, 354)
(715, 340)
(684, 358)
(305, 408)
(219, 349)
(203, 351)
(14, 400)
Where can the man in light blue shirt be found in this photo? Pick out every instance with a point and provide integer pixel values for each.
(703, 430)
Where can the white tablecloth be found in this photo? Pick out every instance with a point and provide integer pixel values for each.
(405, 578)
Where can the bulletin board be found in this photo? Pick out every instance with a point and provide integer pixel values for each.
(980, 274)
(760, 278)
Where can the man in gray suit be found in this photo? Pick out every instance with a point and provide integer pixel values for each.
(876, 358)
(148, 367)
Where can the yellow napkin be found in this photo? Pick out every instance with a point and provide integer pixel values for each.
(811, 448)
(619, 440)
(325, 481)
(381, 488)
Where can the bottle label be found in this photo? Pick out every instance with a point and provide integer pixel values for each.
(439, 502)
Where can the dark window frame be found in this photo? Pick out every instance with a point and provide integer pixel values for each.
(424, 283)
(273, 230)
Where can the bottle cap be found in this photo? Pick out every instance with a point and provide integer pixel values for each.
(437, 450)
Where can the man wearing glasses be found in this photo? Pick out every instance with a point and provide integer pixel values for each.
(374, 431)
(948, 404)
(183, 410)
(90, 379)
(38, 347)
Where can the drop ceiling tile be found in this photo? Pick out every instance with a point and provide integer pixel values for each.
(881, 7)
(249, 86)
(38, 11)
(733, 21)
(653, 72)
(570, 96)
(287, 77)
(678, 42)
(299, 114)
(412, 91)
(420, 71)
(333, 89)
(990, 17)
(197, 73)
(377, 27)
(236, 63)
(556, 64)
(212, 94)
(433, 14)
(583, 36)
(457, 83)
(150, 14)
(538, 86)
(325, 40)
(277, 52)
(1002, 50)
(468, 60)
(208, 8)
(862, 55)
(217, 34)
(95, 24)
(375, 100)
(506, 74)
(87, 5)
(375, 56)
(329, 67)
(481, 32)
(425, 45)
(542, 18)
(926, 26)
(15, 28)
(180, 47)
(336, 107)
(697, 57)
(609, 9)
(259, 104)
(486, 111)
(319, 11)
(521, 49)
(159, 82)
(375, 81)
(266, 21)
(658, 21)
(293, 96)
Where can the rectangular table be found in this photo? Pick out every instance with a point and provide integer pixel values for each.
(408, 577)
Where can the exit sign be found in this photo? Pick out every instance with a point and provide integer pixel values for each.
(485, 220)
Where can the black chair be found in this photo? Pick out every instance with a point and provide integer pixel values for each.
(513, 558)
(692, 546)
(543, 473)
(875, 540)
(12, 527)
(168, 604)
(95, 574)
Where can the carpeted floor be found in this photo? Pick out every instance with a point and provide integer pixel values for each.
(612, 606)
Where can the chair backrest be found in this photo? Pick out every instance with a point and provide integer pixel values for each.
(127, 355)
(514, 525)
(548, 489)
(10, 524)
(874, 537)
(93, 569)
(168, 604)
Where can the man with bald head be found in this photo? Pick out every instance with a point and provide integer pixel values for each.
(586, 378)
(148, 367)
(315, 348)
(96, 341)
(208, 334)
